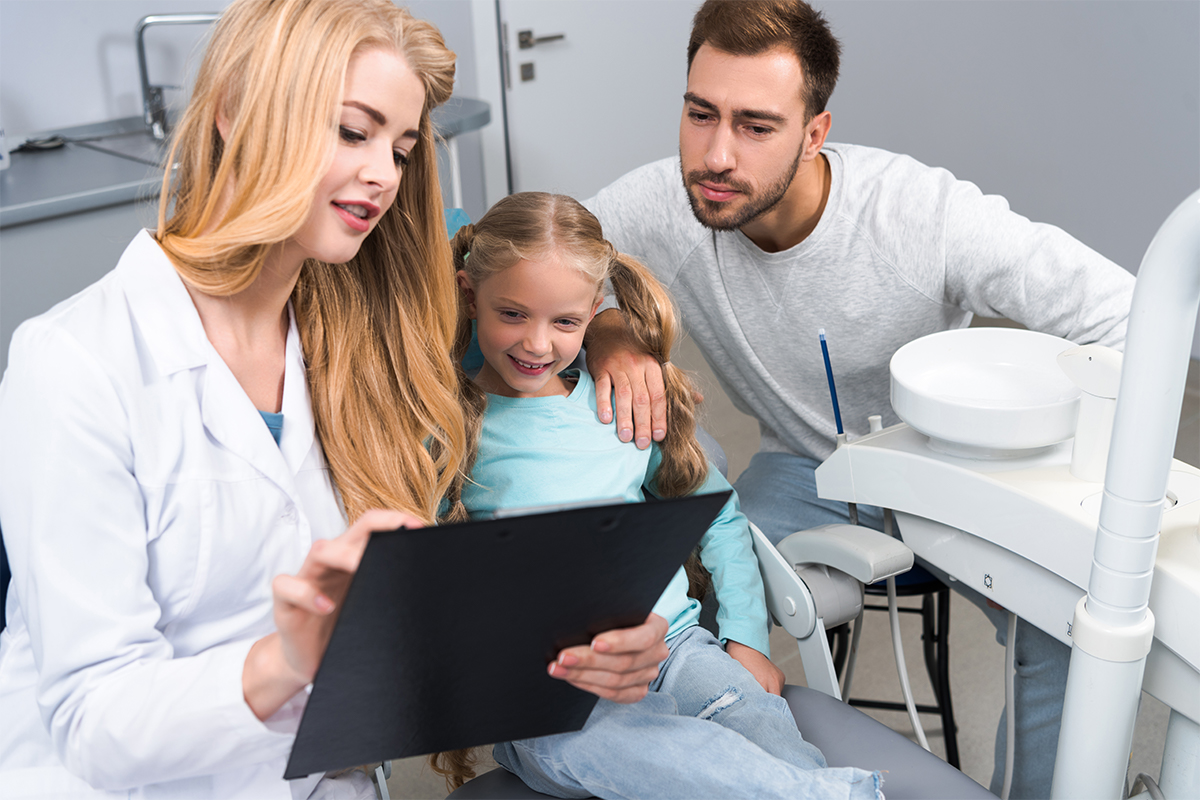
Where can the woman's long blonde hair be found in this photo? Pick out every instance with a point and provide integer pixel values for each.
(376, 331)
(534, 225)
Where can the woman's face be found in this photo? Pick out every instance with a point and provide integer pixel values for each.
(380, 115)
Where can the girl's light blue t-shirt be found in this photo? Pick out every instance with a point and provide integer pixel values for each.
(538, 451)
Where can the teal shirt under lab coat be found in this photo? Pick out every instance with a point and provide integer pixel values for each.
(536, 451)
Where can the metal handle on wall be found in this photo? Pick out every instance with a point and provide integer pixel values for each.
(526, 40)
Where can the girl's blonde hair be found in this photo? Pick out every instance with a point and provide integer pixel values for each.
(534, 225)
(376, 331)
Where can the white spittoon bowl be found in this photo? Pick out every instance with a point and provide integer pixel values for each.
(985, 392)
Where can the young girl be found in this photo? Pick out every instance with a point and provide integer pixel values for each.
(531, 273)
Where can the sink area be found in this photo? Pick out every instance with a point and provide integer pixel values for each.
(139, 146)
(99, 165)
(985, 392)
(119, 161)
(127, 137)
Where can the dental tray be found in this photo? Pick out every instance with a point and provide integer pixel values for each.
(985, 392)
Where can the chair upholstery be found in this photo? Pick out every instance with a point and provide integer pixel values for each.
(844, 734)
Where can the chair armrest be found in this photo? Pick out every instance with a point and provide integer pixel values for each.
(803, 602)
(788, 599)
(863, 553)
(813, 580)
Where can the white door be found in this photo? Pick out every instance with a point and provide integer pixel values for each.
(584, 109)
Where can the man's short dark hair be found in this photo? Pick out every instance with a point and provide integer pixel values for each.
(752, 27)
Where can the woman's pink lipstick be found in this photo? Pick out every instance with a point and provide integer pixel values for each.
(360, 224)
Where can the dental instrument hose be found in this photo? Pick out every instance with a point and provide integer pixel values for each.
(898, 647)
(852, 507)
(852, 658)
(893, 611)
(1010, 699)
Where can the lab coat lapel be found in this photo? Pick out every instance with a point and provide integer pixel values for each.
(170, 328)
(174, 338)
(298, 425)
(233, 421)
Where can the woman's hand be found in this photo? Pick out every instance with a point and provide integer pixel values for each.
(617, 366)
(306, 608)
(619, 665)
(761, 667)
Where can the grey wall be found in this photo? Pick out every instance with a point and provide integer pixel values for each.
(453, 18)
(69, 62)
(1083, 114)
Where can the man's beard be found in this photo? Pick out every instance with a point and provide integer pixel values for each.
(709, 213)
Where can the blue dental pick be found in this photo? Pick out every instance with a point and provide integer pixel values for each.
(837, 412)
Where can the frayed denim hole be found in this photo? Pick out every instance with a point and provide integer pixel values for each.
(719, 703)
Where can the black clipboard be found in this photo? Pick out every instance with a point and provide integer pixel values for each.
(445, 633)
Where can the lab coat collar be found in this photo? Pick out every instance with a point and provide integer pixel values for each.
(160, 304)
(298, 424)
(174, 338)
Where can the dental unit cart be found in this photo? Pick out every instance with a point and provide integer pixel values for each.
(998, 477)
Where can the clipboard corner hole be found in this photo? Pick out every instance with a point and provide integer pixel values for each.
(609, 524)
(504, 534)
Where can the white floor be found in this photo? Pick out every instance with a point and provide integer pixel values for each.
(976, 660)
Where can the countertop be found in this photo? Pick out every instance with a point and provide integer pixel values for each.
(117, 162)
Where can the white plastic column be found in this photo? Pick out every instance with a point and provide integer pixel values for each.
(1113, 625)
(1180, 775)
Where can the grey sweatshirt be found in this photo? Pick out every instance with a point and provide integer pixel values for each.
(902, 250)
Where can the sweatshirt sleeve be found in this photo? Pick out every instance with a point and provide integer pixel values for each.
(1000, 264)
(123, 709)
(727, 551)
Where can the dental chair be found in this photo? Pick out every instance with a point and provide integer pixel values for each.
(813, 582)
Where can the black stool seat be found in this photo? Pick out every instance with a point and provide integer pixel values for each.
(847, 737)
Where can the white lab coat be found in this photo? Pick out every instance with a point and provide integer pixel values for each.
(145, 509)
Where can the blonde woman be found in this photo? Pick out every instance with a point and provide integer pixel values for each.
(184, 441)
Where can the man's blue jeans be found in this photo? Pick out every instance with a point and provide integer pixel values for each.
(706, 729)
(778, 493)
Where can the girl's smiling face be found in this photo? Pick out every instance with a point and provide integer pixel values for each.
(377, 129)
(530, 320)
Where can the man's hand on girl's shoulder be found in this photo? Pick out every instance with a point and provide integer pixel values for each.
(621, 370)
